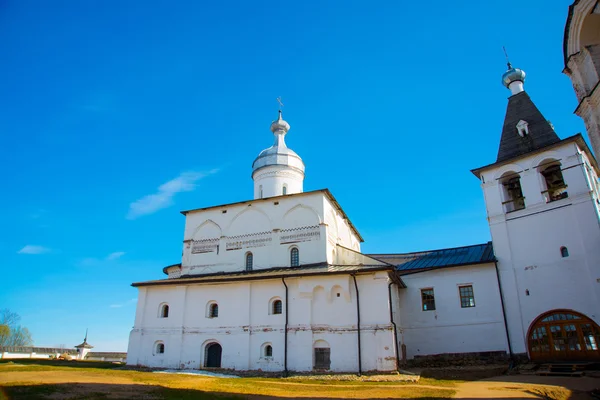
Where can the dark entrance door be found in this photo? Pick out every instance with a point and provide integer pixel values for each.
(564, 335)
(213, 356)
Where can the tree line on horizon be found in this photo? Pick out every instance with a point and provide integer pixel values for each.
(11, 332)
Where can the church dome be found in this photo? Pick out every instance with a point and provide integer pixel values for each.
(513, 75)
(278, 170)
(278, 153)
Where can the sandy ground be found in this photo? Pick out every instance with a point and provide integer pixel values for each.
(527, 387)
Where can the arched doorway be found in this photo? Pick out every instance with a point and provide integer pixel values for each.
(563, 335)
(212, 355)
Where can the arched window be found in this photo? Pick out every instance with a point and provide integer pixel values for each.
(268, 351)
(513, 195)
(321, 355)
(249, 261)
(564, 252)
(556, 189)
(277, 307)
(284, 189)
(164, 311)
(294, 257)
(160, 348)
(213, 311)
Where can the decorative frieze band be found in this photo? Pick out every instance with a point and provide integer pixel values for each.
(205, 245)
(243, 242)
(303, 234)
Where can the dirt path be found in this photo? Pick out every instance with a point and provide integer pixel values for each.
(527, 387)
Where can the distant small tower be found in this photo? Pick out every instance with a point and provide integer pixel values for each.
(84, 348)
(278, 170)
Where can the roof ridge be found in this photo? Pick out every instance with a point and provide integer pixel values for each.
(428, 251)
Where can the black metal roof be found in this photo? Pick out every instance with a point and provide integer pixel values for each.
(541, 134)
(452, 257)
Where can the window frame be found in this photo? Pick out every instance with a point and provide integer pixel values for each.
(470, 303)
(277, 310)
(249, 261)
(322, 358)
(564, 252)
(159, 348)
(161, 310)
(294, 257)
(213, 310)
(423, 300)
(268, 351)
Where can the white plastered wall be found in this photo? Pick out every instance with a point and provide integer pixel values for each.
(245, 325)
(450, 328)
(534, 276)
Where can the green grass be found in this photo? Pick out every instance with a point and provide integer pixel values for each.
(55, 379)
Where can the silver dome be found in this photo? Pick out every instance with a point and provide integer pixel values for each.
(279, 153)
(513, 75)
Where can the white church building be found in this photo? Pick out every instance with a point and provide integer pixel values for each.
(279, 283)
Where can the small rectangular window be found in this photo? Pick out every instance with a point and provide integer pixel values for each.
(427, 299)
(467, 298)
(322, 358)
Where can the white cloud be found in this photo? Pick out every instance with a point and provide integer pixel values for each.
(131, 301)
(115, 255)
(32, 249)
(186, 182)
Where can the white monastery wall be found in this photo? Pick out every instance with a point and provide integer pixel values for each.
(450, 328)
(218, 239)
(245, 323)
(535, 277)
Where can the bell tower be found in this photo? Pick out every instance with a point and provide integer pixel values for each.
(542, 202)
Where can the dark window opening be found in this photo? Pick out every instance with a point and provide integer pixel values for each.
(514, 195)
(268, 351)
(427, 299)
(294, 257)
(277, 307)
(564, 252)
(214, 310)
(322, 358)
(556, 188)
(160, 348)
(164, 313)
(467, 298)
(249, 261)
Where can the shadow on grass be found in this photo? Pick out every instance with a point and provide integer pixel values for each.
(62, 363)
(97, 391)
(100, 391)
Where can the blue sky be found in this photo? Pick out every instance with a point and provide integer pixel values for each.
(114, 116)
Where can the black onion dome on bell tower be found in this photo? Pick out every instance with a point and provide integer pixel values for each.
(525, 128)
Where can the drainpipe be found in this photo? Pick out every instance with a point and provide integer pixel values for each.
(358, 325)
(395, 327)
(504, 313)
(285, 332)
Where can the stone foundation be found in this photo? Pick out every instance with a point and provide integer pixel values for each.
(460, 359)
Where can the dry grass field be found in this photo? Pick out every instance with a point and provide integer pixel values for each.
(92, 380)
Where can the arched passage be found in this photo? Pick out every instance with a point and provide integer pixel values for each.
(563, 335)
(212, 355)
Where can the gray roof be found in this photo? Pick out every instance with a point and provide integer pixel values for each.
(270, 273)
(451, 257)
(541, 133)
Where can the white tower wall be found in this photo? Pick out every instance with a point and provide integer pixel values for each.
(277, 180)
